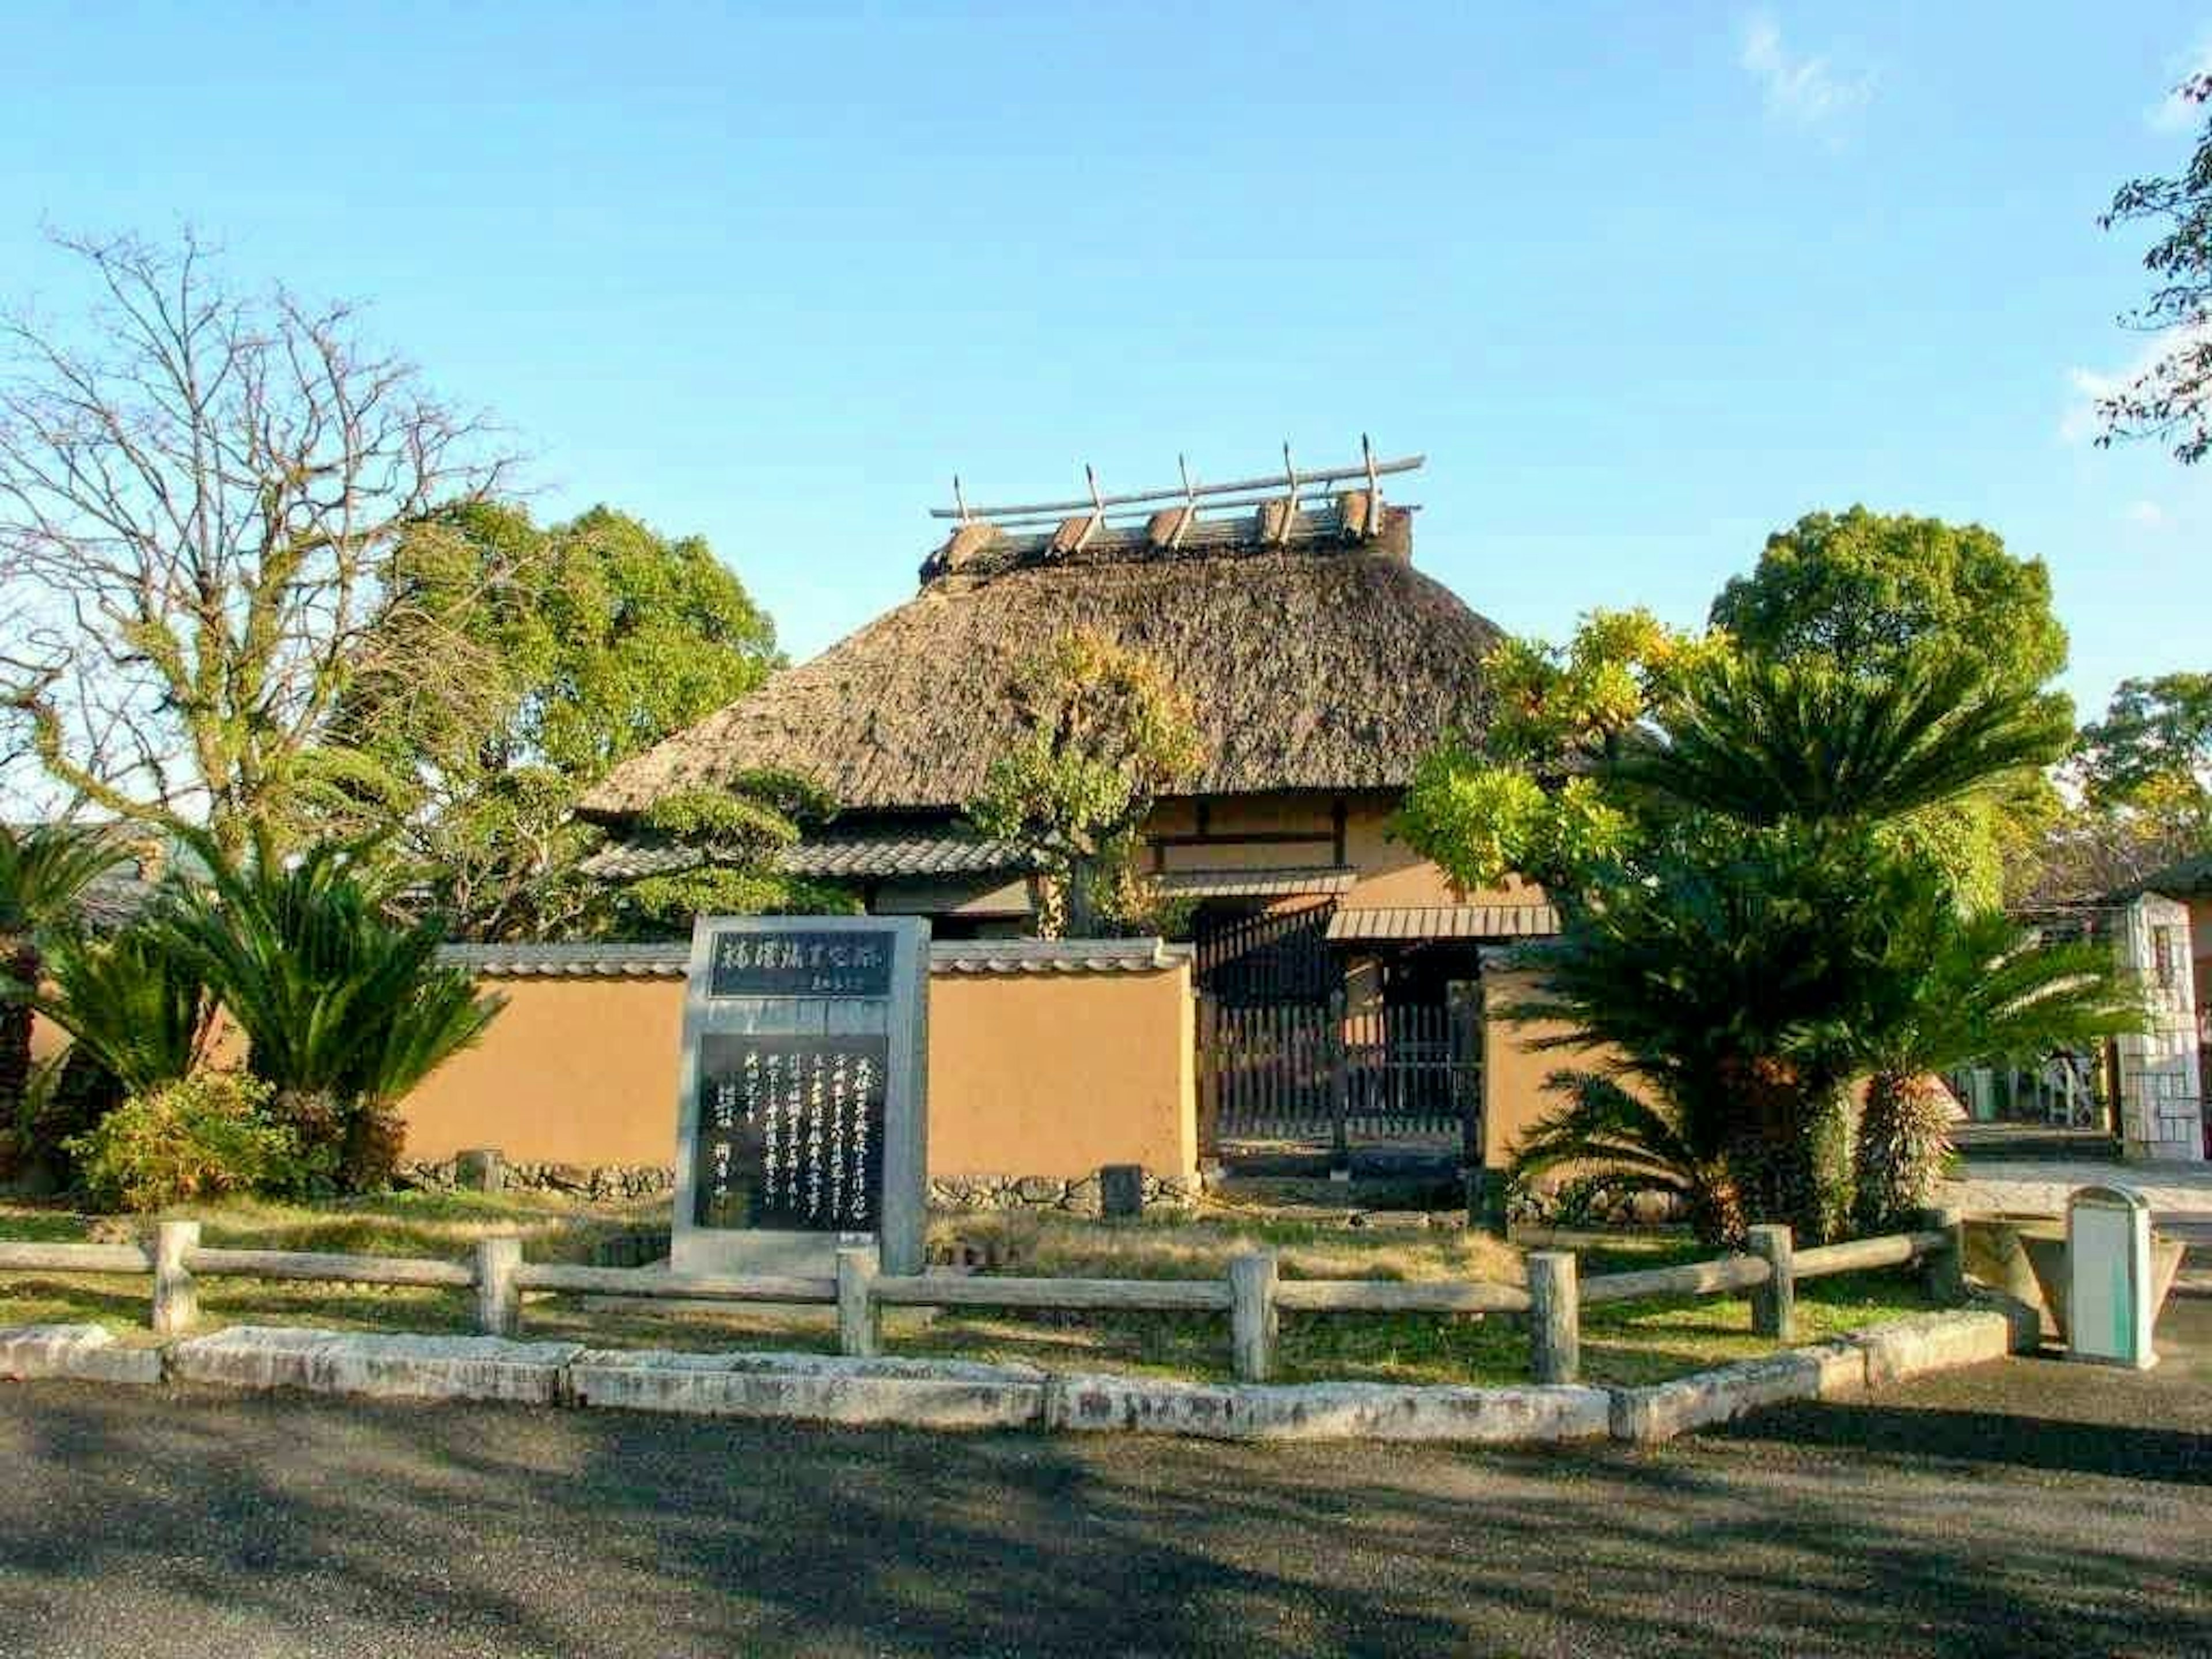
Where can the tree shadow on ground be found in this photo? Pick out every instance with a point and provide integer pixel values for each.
(1989, 1436)
(236, 1523)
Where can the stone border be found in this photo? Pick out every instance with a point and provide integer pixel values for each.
(954, 1395)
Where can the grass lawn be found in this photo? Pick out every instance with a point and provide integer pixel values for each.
(1622, 1343)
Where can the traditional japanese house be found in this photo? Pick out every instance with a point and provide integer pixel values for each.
(1321, 665)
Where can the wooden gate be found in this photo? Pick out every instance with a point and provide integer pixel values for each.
(1316, 1072)
(1269, 960)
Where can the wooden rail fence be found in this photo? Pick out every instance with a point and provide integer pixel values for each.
(1252, 1294)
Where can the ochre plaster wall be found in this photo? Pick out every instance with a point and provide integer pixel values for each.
(573, 1071)
(1056, 1075)
(1042, 1075)
(1514, 1069)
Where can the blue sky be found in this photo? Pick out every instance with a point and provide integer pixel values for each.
(1645, 282)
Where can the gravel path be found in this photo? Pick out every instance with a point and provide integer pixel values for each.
(2021, 1507)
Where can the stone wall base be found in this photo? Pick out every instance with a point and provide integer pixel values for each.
(951, 1195)
(604, 1184)
(967, 1194)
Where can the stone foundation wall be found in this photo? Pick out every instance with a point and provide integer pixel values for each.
(1539, 1205)
(963, 1194)
(609, 1183)
(605, 1183)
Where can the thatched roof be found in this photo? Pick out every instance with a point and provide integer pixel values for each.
(1328, 664)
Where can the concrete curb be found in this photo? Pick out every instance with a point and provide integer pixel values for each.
(811, 1388)
(381, 1367)
(1090, 1403)
(1648, 1415)
(31, 1353)
(954, 1395)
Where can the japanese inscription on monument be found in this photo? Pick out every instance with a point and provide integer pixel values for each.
(800, 1127)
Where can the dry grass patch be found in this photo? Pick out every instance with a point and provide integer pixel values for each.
(1056, 1246)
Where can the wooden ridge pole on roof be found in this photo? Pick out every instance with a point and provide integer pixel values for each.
(1369, 468)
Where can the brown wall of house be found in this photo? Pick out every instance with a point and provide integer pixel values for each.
(1391, 874)
(1031, 1074)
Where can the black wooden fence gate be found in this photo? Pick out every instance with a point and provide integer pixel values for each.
(1316, 1072)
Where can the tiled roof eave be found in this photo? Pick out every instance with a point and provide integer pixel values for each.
(672, 960)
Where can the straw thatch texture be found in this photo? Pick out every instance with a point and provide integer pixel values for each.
(1311, 670)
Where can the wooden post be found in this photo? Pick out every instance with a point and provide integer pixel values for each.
(1209, 1084)
(176, 1298)
(499, 1298)
(860, 1320)
(1555, 1337)
(1944, 1272)
(1340, 1092)
(1774, 1304)
(1252, 1316)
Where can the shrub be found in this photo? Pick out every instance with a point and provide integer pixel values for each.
(200, 1136)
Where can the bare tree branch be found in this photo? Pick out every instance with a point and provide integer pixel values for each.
(197, 496)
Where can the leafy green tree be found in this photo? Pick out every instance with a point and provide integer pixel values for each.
(1862, 592)
(1528, 797)
(2152, 754)
(2171, 401)
(132, 1007)
(711, 851)
(562, 651)
(1103, 735)
(44, 871)
(342, 1012)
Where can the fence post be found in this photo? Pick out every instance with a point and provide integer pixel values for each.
(860, 1320)
(1252, 1315)
(1774, 1304)
(1943, 1272)
(176, 1298)
(499, 1298)
(1555, 1336)
(1209, 1084)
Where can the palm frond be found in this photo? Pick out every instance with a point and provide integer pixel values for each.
(1769, 742)
(44, 869)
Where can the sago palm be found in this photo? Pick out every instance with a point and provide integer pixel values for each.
(343, 1012)
(1715, 985)
(44, 871)
(1952, 989)
(1770, 744)
(135, 1009)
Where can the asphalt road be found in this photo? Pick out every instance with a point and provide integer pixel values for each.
(2025, 1507)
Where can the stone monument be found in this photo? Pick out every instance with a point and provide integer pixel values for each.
(801, 1121)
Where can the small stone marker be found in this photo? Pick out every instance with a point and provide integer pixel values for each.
(801, 1123)
(1122, 1191)
(480, 1170)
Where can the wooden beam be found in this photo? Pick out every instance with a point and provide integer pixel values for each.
(1175, 492)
